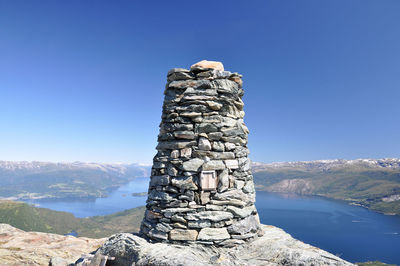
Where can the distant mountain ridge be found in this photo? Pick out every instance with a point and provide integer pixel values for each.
(41, 166)
(372, 183)
(393, 163)
(27, 180)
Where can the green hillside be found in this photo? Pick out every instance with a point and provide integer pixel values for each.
(375, 188)
(29, 218)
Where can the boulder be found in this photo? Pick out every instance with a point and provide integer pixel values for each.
(206, 65)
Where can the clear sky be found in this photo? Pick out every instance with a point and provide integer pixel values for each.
(84, 80)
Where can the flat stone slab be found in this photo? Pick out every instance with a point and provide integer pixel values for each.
(275, 247)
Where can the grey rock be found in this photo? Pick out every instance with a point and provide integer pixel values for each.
(233, 132)
(159, 180)
(174, 70)
(157, 195)
(186, 152)
(172, 171)
(163, 227)
(218, 146)
(179, 225)
(178, 218)
(183, 84)
(153, 233)
(249, 187)
(204, 144)
(184, 134)
(235, 140)
(212, 234)
(229, 146)
(152, 215)
(233, 202)
(224, 155)
(241, 212)
(214, 165)
(204, 197)
(214, 216)
(244, 236)
(215, 135)
(223, 181)
(180, 76)
(212, 207)
(241, 151)
(169, 212)
(229, 243)
(233, 194)
(206, 128)
(232, 164)
(239, 184)
(184, 182)
(275, 247)
(244, 226)
(214, 154)
(174, 154)
(158, 165)
(214, 105)
(199, 224)
(190, 114)
(192, 165)
(174, 145)
(213, 74)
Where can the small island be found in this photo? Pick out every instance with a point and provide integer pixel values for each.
(139, 194)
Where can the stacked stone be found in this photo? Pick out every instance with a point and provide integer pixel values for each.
(202, 140)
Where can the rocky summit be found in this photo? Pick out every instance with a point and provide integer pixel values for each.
(201, 188)
(275, 247)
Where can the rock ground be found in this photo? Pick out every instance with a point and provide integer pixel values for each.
(18, 247)
(275, 247)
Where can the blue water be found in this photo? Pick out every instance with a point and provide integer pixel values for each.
(353, 233)
(118, 200)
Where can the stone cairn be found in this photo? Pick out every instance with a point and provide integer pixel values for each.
(201, 188)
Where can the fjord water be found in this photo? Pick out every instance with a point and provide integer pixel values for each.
(350, 232)
(117, 200)
(353, 233)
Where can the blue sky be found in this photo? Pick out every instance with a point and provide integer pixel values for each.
(84, 80)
